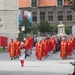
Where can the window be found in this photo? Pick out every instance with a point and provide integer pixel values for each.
(50, 16)
(60, 16)
(34, 3)
(34, 16)
(42, 15)
(59, 2)
(69, 15)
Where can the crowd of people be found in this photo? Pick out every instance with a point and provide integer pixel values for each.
(43, 47)
(21, 49)
(53, 44)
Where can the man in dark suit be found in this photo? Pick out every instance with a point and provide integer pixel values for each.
(73, 63)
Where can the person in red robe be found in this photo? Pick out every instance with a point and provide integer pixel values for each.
(27, 43)
(31, 44)
(17, 44)
(47, 40)
(53, 40)
(63, 49)
(71, 44)
(45, 47)
(69, 48)
(74, 44)
(39, 50)
(11, 49)
(50, 45)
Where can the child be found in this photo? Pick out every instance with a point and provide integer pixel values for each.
(22, 53)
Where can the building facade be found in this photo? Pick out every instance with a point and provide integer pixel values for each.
(9, 18)
(53, 11)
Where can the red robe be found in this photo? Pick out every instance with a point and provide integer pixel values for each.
(39, 50)
(53, 42)
(63, 49)
(45, 47)
(27, 44)
(31, 42)
(11, 49)
(17, 44)
(69, 48)
(50, 45)
(73, 44)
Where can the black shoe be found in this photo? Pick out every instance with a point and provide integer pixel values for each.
(66, 58)
(30, 52)
(63, 58)
(22, 65)
(40, 59)
(69, 74)
(70, 54)
(54, 52)
(14, 57)
(11, 58)
(17, 56)
(28, 55)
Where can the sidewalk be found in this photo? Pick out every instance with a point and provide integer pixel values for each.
(59, 66)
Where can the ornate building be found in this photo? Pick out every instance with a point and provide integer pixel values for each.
(53, 11)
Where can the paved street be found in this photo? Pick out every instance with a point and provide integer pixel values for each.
(52, 65)
(56, 56)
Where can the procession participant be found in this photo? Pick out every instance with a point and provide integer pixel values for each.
(71, 44)
(45, 47)
(59, 42)
(74, 44)
(47, 44)
(17, 44)
(31, 44)
(50, 45)
(39, 50)
(11, 49)
(35, 40)
(57, 47)
(25, 50)
(22, 53)
(48, 37)
(53, 40)
(27, 45)
(63, 49)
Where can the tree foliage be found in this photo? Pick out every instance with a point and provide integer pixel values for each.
(71, 4)
(25, 22)
(35, 29)
(55, 28)
(68, 30)
(44, 26)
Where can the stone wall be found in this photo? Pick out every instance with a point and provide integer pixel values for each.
(9, 17)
